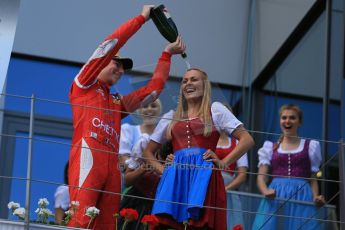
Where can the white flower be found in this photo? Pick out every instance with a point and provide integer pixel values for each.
(92, 212)
(69, 213)
(20, 212)
(12, 205)
(68, 216)
(74, 203)
(44, 212)
(47, 212)
(43, 202)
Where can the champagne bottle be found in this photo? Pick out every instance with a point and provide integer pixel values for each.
(164, 23)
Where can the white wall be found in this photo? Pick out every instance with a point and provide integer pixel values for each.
(214, 32)
(274, 22)
(303, 72)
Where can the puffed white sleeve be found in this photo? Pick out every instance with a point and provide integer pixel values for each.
(315, 155)
(223, 119)
(159, 134)
(265, 153)
(61, 197)
(126, 139)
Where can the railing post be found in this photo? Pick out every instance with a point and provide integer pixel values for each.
(325, 101)
(342, 184)
(28, 172)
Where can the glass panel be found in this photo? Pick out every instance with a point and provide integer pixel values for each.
(48, 161)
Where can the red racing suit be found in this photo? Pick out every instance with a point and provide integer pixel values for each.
(97, 118)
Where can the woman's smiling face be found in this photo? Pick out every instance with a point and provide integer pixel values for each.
(192, 85)
(289, 122)
(150, 112)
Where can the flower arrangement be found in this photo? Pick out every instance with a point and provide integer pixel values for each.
(43, 202)
(16, 210)
(151, 221)
(92, 212)
(74, 204)
(71, 212)
(20, 212)
(68, 217)
(13, 206)
(129, 215)
(42, 211)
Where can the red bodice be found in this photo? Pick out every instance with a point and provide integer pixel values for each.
(189, 134)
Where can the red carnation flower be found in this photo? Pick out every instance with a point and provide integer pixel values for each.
(237, 227)
(151, 220)
(129, 214)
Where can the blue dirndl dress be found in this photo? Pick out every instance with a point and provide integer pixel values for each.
(189, 189)
(185, 181)
(287, 211)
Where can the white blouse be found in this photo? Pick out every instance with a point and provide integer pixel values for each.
(223, 120)
(130, 134)
(266, 151)
(132, 144)
(62, 197)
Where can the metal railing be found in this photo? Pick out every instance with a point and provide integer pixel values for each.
(251, 209)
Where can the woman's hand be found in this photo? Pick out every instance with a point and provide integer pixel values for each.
(150, 159)
(209, 155)
(270, 193)
(170, 159)
(228, 188)
(319, 200)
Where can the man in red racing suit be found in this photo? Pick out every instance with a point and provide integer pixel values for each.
(97, 118)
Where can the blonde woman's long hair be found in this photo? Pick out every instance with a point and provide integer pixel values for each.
(204, 112)
(299, 112)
